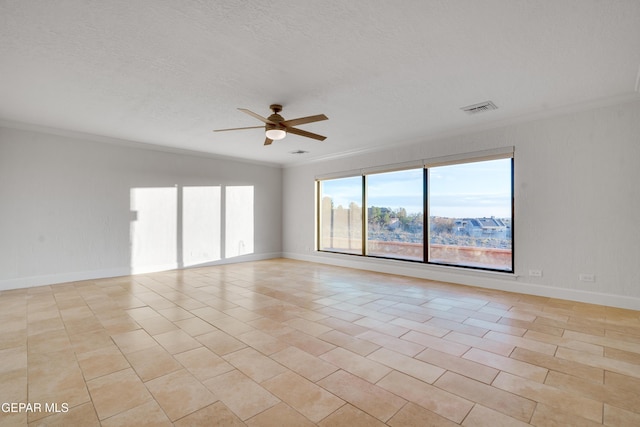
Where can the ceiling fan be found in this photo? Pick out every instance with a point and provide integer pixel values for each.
(276, 127)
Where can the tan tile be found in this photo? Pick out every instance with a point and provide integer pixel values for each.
(602, 362)
(553, 363)
(175, 313)
(89, 341)
(207, 313)
(305, 397)
(607, 341)
(133, 341)
(440, 344)
(91, 324)
(352, 417)
(254, 364)
(117, 392)
(625, 356)
(156, 325)
(10, 339)
(456, 326)
(620, 398)
(372, 399)
(180, 393)
(550, 396)
(392, 343)
(213, 415)
(220, 342)
(148, 414)
(49, 341)
(13, 358)
(410, 366)
(81, 415)
(360, 366)
(230, 325)
(348, 342)
(101, 362)
(412, 415)
(152, 362)
(545, 415)
(614, 416)
(421, 327)
(308, 327)
(344, 326)
(439, 401)
(311, 367)
(55, 377)
(521, 342)
(177, 341)
(481, 416)
(622, 381)
(278, 416)
(270, 326)
(119, 324)
(491, 397)
(387, 328)
(307, 343)
(203, 363)
(241, 394)
(273, 306)
(195, 326)
(14, 386)
(565, 342)
(481, 343)
(141, 313)
(338, 314)
(507, 364)
(262, 342)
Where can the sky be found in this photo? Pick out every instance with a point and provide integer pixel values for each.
(481, 189)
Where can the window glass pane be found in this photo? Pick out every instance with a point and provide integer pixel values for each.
(341, 215)
(395, 219)
(470, 215)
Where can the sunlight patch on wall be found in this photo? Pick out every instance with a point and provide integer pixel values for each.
(201, 207)
(153, 229)
(238, 220)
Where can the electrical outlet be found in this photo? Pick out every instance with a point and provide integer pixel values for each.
(535, 273)
(587, 277)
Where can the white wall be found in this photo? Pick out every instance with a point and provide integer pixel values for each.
(577, 205)
(66, 208)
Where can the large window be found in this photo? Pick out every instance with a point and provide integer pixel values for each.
(454, 211)
(395, 220)
(340, 225)
(470, 214)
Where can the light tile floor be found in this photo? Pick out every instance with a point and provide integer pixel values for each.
(288, 343)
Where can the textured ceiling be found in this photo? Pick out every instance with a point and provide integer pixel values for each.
(384, 72)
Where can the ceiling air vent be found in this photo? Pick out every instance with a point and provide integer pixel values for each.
(479, 108)
(298, 152)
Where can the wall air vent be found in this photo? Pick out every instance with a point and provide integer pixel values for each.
(479, 108)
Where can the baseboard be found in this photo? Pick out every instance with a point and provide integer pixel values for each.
(482, 279)
(52, 279)
(76, 276)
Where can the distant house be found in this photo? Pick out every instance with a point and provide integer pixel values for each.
(482, 227)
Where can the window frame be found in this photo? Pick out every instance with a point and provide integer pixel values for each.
(426, 165)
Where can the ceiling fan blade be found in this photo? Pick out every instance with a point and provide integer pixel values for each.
(304, 120)
(250, 127)
(268, 141)
(305, 133)
(257, 116)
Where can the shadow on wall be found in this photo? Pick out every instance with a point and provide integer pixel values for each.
(180, 226)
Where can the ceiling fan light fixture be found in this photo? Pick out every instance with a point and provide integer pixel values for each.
(275, 134)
